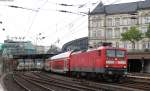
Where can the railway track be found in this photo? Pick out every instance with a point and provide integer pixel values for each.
(31, 81)
(145, 86)
(129, 85)
(99, 86)
(63, 84)
(28, 84)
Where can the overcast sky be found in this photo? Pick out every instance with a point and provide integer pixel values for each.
(42, 16)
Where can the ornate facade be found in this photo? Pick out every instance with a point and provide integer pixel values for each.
(107, 22)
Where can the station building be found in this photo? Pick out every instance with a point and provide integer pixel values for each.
(11, 47)
(78, 44)
(107, 22)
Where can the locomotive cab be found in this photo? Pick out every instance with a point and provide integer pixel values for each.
(116, 62)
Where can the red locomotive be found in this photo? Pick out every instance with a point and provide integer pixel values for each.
(103, 62)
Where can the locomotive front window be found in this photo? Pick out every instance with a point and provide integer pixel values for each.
(115, 53)
(120, 53)
(110, 53)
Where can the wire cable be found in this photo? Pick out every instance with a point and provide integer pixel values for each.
(77, 31)
(34, 17)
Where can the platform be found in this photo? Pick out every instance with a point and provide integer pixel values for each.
(139, 75)
(1, 88)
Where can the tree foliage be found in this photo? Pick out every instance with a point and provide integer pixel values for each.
(133, 35)
(147, 34)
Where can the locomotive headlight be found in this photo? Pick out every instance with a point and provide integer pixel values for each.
(107, 66)
(124, 66)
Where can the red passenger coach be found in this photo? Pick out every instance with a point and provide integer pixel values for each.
(60, 63)
(103, 62)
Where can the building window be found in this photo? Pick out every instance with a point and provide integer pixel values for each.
(125, 21)
(134, 20)
(90, 23)
(98, 22)
(93, 33)
(146, 45)
(109, 22)
(117, 44)
(145, 19)
(96, 33)
(109, 33)
(117, 32)
(125, 29)
(101, 23)
(94, 24)
(144, 29)
(125, 44)
(117, 21)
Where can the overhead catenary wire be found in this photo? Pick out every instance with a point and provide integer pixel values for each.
(34, 17)
(41, 9)
(73, 36)
(70, 32)
(76, 26)
(30, 9)
(70, 5)
(14, 6)
(66, 26)
(65, 11)
(79, 13)
(77, 31)
(37, 10)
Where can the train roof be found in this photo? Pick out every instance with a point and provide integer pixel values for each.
(62, 55)
(105, 47)
(67, 54)
(99, 48)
